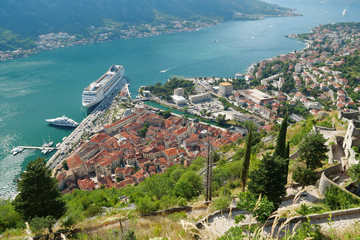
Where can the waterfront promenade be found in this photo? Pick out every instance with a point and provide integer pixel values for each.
(87, 126)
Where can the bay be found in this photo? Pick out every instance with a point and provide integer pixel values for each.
(50, 84)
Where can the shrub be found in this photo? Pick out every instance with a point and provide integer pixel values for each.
(327, 124)
(189, 185)
(304, 176)
(177, 216)
(309, 209)
(336, 199)
(221, 203)
(261, 207)
(38, 224)
(308, 231)
(9, 218)
(146, 205)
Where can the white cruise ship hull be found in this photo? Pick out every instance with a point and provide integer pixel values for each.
(62, 124)
(96, 92)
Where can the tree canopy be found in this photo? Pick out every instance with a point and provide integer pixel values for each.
(189, 185)
(280, 149)
(267, 179)
(312, 150)
(38, 195)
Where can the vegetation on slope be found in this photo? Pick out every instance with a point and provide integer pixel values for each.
(34, 16)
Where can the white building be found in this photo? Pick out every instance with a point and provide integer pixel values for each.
(146, 93)
(257, 96)
(179, 92)
(225, 88)
(178, 100)
(199, 97)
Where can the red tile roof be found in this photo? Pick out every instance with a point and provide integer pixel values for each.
(74, 162)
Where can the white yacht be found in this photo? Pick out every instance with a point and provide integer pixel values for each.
(17, 150)
(97, 91)
(63, 122)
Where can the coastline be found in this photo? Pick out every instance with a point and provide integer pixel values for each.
(42, 46)
(307, 43)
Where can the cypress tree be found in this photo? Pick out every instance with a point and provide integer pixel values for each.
(287, 152)
(280, 148)
(287, 161)
(246, 161)
(38, 195)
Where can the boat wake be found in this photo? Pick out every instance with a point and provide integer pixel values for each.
(164, 71)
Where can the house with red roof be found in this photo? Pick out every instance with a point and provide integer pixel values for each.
(170, 154)
(76, 166)
(86, 184)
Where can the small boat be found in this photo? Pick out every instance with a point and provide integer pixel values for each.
(163, 71)
(216, 40)
(344, 12)
(58, 145)
(16, 150)
(50, 144)
(64, 138)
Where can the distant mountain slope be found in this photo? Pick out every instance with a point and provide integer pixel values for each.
(33, 17)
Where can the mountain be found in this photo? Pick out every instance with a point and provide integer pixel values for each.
(29, 17)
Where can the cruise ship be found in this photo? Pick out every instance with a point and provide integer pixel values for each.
(98, 90)
(62, 121)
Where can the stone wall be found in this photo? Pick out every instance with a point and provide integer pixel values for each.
(325, 182)
(349, 115)
(330, 171)
(351, 138)
(324, 128)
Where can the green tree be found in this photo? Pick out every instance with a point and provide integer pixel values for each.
(246, 161)
(287, 152)
(268, 179)
(38, 224)
(189, 185)
(146, 205)
(260, 206)
(312, 150)
(304, 176)
(280, 149)
(165, 114)
(38, 195)
(143, 131)
(9, 218)
(215, 157)
(220, 119)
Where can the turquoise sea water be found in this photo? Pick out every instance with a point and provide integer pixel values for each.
(50, 84)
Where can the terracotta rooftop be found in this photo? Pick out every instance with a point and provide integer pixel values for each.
(74, 162)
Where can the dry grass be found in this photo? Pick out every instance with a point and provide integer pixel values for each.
(347, 233)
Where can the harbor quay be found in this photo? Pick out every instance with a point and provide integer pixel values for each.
(87, 126)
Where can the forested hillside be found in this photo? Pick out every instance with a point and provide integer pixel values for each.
(33, 17)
